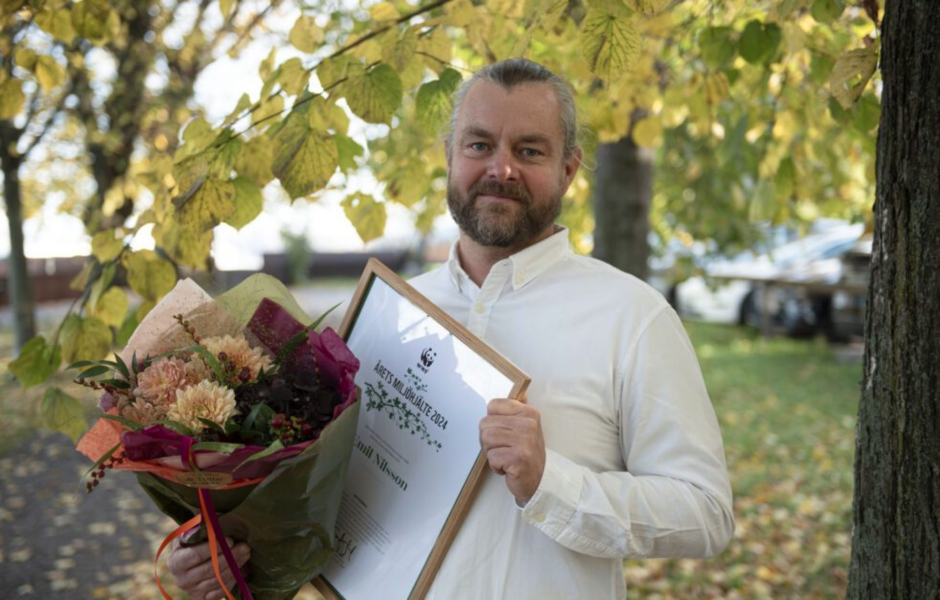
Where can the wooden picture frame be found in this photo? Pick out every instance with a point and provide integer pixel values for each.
(380, 297)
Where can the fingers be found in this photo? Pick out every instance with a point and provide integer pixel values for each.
(508, 406)
(192, 569)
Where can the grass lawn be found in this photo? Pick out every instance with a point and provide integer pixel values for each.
(787, 411)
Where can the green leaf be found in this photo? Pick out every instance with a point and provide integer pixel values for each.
(25, 58)
(36, 362)
(366, 215)
(57, 23)
(148, 274)
(254, 160)
(294, 76)
(764, 202)
(435, 101)
(85, 338)
(186, 248)
(11, 98)
(209, 205)
(274, 447)
(217, 446)
(334, 69)
(827, 11)
(785, 180)
(304, 159)
(851, 74)
(718, 47)
(111, 307)
(256, 411)
(305, 35)
(867, 113)
(94, 21)
(177, 427)
(248, 202)
(106, 245)
(648, 7)
(347, 152)
(409, 183)
(319, 320)
(374, 95)
(759, 41)
(93, 372)
(268, 108)
(132, 425)
(398, 48)
(49, 73)
(609, 43)
(210, 424)
(63, 413)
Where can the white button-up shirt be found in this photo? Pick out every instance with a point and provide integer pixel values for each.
(635, 465)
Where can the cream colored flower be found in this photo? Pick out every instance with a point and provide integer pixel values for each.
(159, 382)
(141, 410)
(238, 351)
(206, 400)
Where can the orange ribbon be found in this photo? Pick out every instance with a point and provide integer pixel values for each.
(178, 532)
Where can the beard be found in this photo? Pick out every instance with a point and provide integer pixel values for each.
(502, 225)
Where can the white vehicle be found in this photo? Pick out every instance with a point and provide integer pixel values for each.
(730, 292)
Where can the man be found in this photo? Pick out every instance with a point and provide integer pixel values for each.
(616, 453)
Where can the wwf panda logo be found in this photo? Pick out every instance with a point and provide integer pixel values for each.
(427, 358)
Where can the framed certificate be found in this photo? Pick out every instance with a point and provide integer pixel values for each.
(416, 462)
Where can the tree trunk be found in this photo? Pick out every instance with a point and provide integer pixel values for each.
(896, 512)
(623, 189)
(20, 294)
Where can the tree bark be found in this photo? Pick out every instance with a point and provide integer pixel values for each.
(896, 511)
(623, 189)
(20, 293)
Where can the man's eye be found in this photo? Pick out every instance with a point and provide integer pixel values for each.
(531, 152)
(478, 146)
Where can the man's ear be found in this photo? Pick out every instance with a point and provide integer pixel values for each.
(572, 164)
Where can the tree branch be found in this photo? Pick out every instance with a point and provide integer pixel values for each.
(54, 112)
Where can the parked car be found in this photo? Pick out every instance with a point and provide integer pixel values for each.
(847, 317)
(730, 291)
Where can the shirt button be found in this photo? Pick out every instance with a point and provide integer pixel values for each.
(479, 308)
(539, 517)
(520, 278)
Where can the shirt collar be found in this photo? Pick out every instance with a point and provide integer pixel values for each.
(527, 264)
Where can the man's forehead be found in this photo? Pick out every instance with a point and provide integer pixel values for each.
(530, 109)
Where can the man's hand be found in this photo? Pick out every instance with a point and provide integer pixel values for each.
(192, 568)
(511, 437)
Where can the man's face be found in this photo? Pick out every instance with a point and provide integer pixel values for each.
(506, 169)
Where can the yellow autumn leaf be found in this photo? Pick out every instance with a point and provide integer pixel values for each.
(366, 215)
(111, 307)
(609, 43)
(384, 11)
(851, 74)
(106, 245)
(148, 274)
(84, 338)
(305, 35)
(648, 132)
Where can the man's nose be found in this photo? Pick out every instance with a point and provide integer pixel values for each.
(502, 166)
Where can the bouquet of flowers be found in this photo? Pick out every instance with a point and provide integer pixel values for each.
(238, 420)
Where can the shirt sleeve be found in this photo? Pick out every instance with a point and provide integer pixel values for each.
(674, 497)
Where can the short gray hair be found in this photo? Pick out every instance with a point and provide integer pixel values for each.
(518, 71)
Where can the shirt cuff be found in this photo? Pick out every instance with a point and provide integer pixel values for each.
(557, 496)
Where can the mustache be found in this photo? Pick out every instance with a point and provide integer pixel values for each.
(515, 191)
